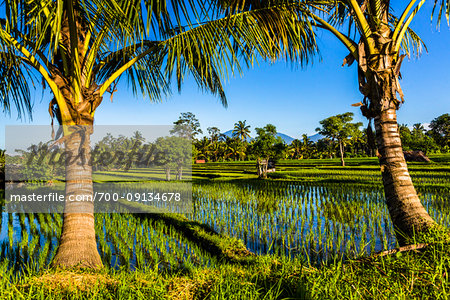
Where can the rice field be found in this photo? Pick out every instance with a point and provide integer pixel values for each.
(336, 214)
(124, 241)
(317, 222)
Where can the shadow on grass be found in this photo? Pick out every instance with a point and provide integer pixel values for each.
(226, 249)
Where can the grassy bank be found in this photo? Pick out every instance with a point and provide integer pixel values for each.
(404, 275)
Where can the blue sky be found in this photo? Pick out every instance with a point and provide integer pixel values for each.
(293, 99)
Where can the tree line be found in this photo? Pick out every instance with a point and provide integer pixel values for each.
(341, 137)
(46, 162)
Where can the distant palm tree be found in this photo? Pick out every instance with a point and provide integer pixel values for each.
(306, 146)
(215, 150)
(236, 148)
(241, 130)
(222, 151)
(418, 129)
(203, 148)
(295, 149)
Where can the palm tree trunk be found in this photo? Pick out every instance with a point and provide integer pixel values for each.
(407, 213)
(78, 247)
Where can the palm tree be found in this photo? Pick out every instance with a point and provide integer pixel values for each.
(378, 41)
(203, 148)
(214, 150)
(236, 148)
(357, 140)
(295, 149)
(13, 93)
(418, 130)
(307, 146)
(222, 152)
(81, 49)
(369, 139)
(241, 130)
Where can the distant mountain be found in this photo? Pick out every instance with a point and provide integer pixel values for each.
(286, 138)
(228, 133)
(316, 137)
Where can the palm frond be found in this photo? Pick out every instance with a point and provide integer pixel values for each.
(145, 76)
(212, 50)
(14, 88)
(152, 42)
(441, 8)
(412, 44)
(219, 47)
